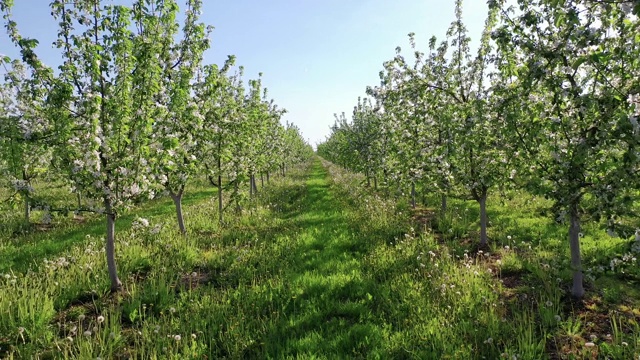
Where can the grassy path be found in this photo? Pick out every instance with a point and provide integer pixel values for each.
(332, 311)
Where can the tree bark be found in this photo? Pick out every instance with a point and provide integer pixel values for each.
(220, 198)
(413, 195)
(443, 203)
(261, 179)
(27, 208)
(177, 200)
(577, 289)
(254, 184)
(236, 192)
(482, 200)
(111, 247)
(375, 182)
(268, 179)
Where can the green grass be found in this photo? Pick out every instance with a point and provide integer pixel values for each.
(316, 267)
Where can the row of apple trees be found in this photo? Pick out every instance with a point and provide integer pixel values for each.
(549, 102)
(133, 112)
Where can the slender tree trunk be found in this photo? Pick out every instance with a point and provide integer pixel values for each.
(236, 192)
(413, 195)
(219, 163)
(262, 180)
(27, 205)
(443, 203)
(375, 182)
(576, 263)
(483, 218)
(254, 184)
(177, 200)
(366, 174)
(220, 198)
(79, 198)
(268, 179)
(111, 247)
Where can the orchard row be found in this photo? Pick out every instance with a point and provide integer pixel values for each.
(132, 112)
(548, 104)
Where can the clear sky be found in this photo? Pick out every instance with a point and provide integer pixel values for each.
(317, 56)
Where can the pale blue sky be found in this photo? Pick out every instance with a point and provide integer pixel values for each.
(317, 56)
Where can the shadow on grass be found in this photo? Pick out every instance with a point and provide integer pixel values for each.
(31, 249)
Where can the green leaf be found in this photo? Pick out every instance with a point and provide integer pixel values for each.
(579, 61)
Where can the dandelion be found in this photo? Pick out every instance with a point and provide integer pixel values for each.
(508, 237)
(87, 333)
(172, 310)
(549, 303)
(193, 336)
(177, 337)
(100, 319)
(593, 337)
(489, 341)
(81, 317)
(624, 343)
(69, 339)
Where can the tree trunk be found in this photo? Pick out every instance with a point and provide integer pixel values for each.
(27, 207)
(268, 179)
(366, 174)
(79, 198)
(576, 264)
(413, 195)
(483, 218)
(254, 184)
(177, 200)
(236, 192)
(262, 180)
(375, 182)
(443, 203)
(220, 199)
(111, 247)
